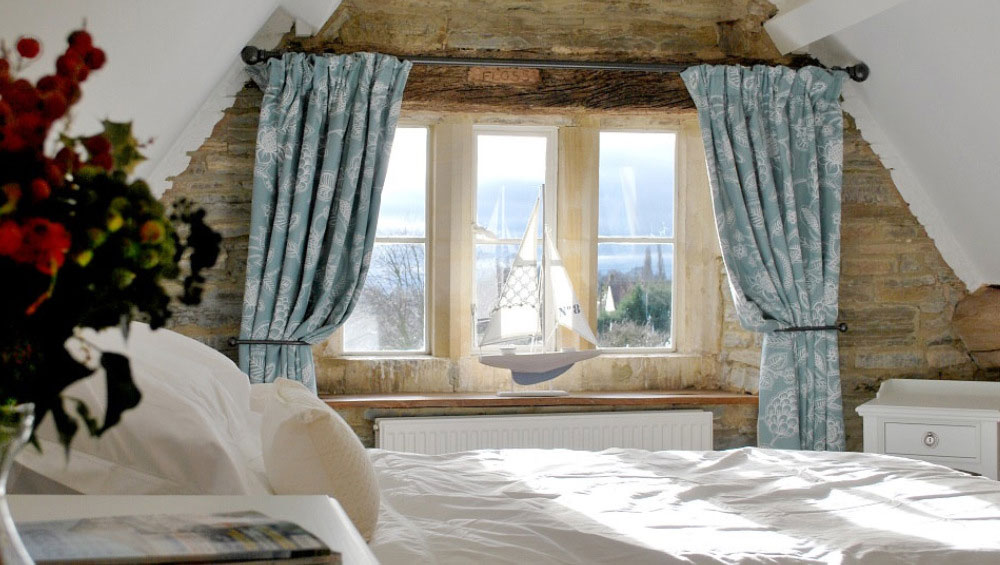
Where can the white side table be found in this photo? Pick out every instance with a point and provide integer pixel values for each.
(318, 514)
(952, 423)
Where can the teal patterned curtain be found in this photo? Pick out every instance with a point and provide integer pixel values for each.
(774, 142)
(326, 127)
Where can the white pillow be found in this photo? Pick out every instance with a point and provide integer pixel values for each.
(310, 449)
(192, 433)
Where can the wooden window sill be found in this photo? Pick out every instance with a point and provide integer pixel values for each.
(486, 400)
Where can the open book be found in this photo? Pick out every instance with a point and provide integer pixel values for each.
(239, 537)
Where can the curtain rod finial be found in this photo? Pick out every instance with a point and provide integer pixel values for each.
(250, 54)
(858, 72)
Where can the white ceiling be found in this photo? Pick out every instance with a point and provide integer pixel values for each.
(928, 110)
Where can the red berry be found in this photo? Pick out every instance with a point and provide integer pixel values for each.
(54, 105)
(94, 59)
(12, 142)
(71, 66)
(80, 39)
(28, 47)
(55, 175)
(32, 128)
(4, 72)
(6, 114)
(97, 144)
(67, 159)
(21, 96)
(40, 189)
(10, 237)
(49, 83)
(103, 161)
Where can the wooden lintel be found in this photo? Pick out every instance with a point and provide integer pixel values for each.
(448, 88)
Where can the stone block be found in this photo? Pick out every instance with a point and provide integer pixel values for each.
(879, 325)
(977, 322)
(941, 356)
(863, 265)
(889, 361)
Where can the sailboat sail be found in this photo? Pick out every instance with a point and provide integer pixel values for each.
(569, 314)
(517, 312)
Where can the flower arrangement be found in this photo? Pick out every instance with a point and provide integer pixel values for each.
(81, 245)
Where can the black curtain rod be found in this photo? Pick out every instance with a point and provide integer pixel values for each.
(251, 55)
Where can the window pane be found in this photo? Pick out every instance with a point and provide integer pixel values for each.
(405, 189)
(635, 288)
(636, 184)
(492, 265)
(389, 316)
(510, 171)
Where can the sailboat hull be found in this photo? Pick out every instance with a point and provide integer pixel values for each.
(533, 368)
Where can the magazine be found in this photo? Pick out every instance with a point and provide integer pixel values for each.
(238, 537)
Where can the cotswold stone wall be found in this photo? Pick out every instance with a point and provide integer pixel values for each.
(897, 294)
(220, 179)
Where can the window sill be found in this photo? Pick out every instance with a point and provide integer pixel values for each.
(486, 400)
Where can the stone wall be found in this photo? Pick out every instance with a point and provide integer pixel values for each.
(897, 294)
(220, 179)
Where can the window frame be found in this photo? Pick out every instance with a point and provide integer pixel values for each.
(549, 219)
(335, 344)
(676, 240)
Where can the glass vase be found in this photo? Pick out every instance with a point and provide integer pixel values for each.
(15, 429)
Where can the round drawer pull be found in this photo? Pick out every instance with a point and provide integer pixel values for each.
(930, 439)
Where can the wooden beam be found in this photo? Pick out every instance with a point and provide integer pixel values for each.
(448, 88)
(816, 19)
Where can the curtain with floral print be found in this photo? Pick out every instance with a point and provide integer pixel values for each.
(326, 128)
(773, 139)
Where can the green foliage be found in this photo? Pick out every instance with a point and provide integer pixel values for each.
(641, 317)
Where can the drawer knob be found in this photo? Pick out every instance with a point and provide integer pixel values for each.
(930, 439)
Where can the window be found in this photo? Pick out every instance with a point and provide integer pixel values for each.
(390, 316)
(515, 167)
(635, 239)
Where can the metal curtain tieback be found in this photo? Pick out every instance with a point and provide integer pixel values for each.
(841, 327)
(237, 341)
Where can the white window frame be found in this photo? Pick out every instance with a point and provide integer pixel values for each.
(551, 135)
(336, 342)
(676, 240)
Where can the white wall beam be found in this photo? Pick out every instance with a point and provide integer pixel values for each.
(815, 19)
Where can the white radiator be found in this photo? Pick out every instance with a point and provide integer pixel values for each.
(594, 431)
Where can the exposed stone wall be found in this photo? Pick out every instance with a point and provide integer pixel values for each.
(897, 295)
(220, 179)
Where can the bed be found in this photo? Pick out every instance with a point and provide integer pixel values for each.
(630, 506)
(515, 506)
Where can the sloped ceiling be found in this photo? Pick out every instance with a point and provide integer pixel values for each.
(166, 60)
(929, 110)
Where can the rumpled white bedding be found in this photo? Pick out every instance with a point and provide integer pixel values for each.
(631, 506)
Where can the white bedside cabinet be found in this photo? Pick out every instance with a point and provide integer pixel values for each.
(952, 423)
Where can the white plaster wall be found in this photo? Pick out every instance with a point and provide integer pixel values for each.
(164, 57)
(929, 110)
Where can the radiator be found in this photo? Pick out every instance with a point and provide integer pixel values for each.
(594, 431)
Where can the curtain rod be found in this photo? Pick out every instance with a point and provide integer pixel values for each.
(251, 55)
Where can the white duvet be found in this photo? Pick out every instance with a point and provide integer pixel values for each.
(631, 507)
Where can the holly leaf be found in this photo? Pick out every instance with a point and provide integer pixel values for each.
(124, 146)
(122, 392)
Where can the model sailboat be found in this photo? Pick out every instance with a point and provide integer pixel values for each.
(517, 314)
